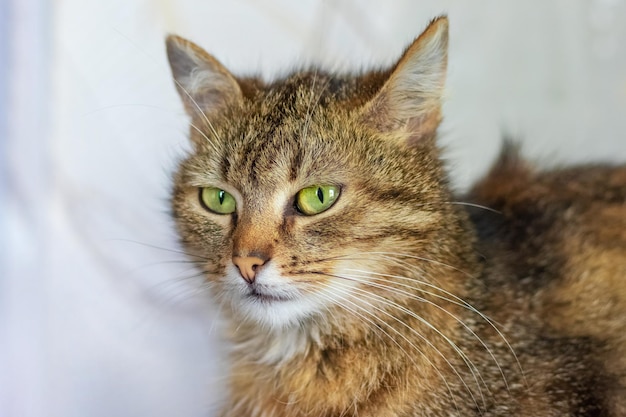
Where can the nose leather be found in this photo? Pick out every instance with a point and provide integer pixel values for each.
(248, 266)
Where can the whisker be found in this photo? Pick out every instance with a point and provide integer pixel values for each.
(390, 255)
(421, 258)
(150, 245)
(185, 291)
(336, 297)
(166, 262)
(461, 302)
(413, 346)
(464, 203)
(471, 366)
(464, 303)
(131, 105)
(424, 300)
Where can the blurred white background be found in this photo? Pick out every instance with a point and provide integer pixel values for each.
(99, 316)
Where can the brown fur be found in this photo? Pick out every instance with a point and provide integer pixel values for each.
(519, 310)
(564, 234)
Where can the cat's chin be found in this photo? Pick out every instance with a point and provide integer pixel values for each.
(274, 313)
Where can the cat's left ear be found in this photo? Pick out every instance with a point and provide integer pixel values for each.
(204, 84)
(410, 99)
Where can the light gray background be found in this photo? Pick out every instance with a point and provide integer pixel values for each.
(95, 319)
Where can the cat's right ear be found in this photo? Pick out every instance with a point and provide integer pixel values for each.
(410, 99)
(204, 84)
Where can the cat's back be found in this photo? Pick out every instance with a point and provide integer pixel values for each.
(557, 241)
(561, 230)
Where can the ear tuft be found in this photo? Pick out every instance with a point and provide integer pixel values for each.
(411, 96)
(202, 82)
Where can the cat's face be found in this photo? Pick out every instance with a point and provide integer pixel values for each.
(306, 197)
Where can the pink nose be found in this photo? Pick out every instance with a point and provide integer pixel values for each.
(248, 266)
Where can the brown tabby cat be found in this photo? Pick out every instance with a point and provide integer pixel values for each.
(356, 284)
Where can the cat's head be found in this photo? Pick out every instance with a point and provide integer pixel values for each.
(308, 195)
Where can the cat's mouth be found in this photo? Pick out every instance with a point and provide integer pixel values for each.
(265, 296)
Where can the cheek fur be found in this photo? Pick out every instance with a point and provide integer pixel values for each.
(206, 236)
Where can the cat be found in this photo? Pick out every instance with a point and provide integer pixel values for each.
(355, 283)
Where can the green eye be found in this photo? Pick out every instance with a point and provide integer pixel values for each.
(316, 199)
(217, 200)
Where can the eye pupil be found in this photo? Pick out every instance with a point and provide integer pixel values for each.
(316, 199)
(218, 201)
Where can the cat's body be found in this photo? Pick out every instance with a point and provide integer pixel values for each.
(356, 284)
